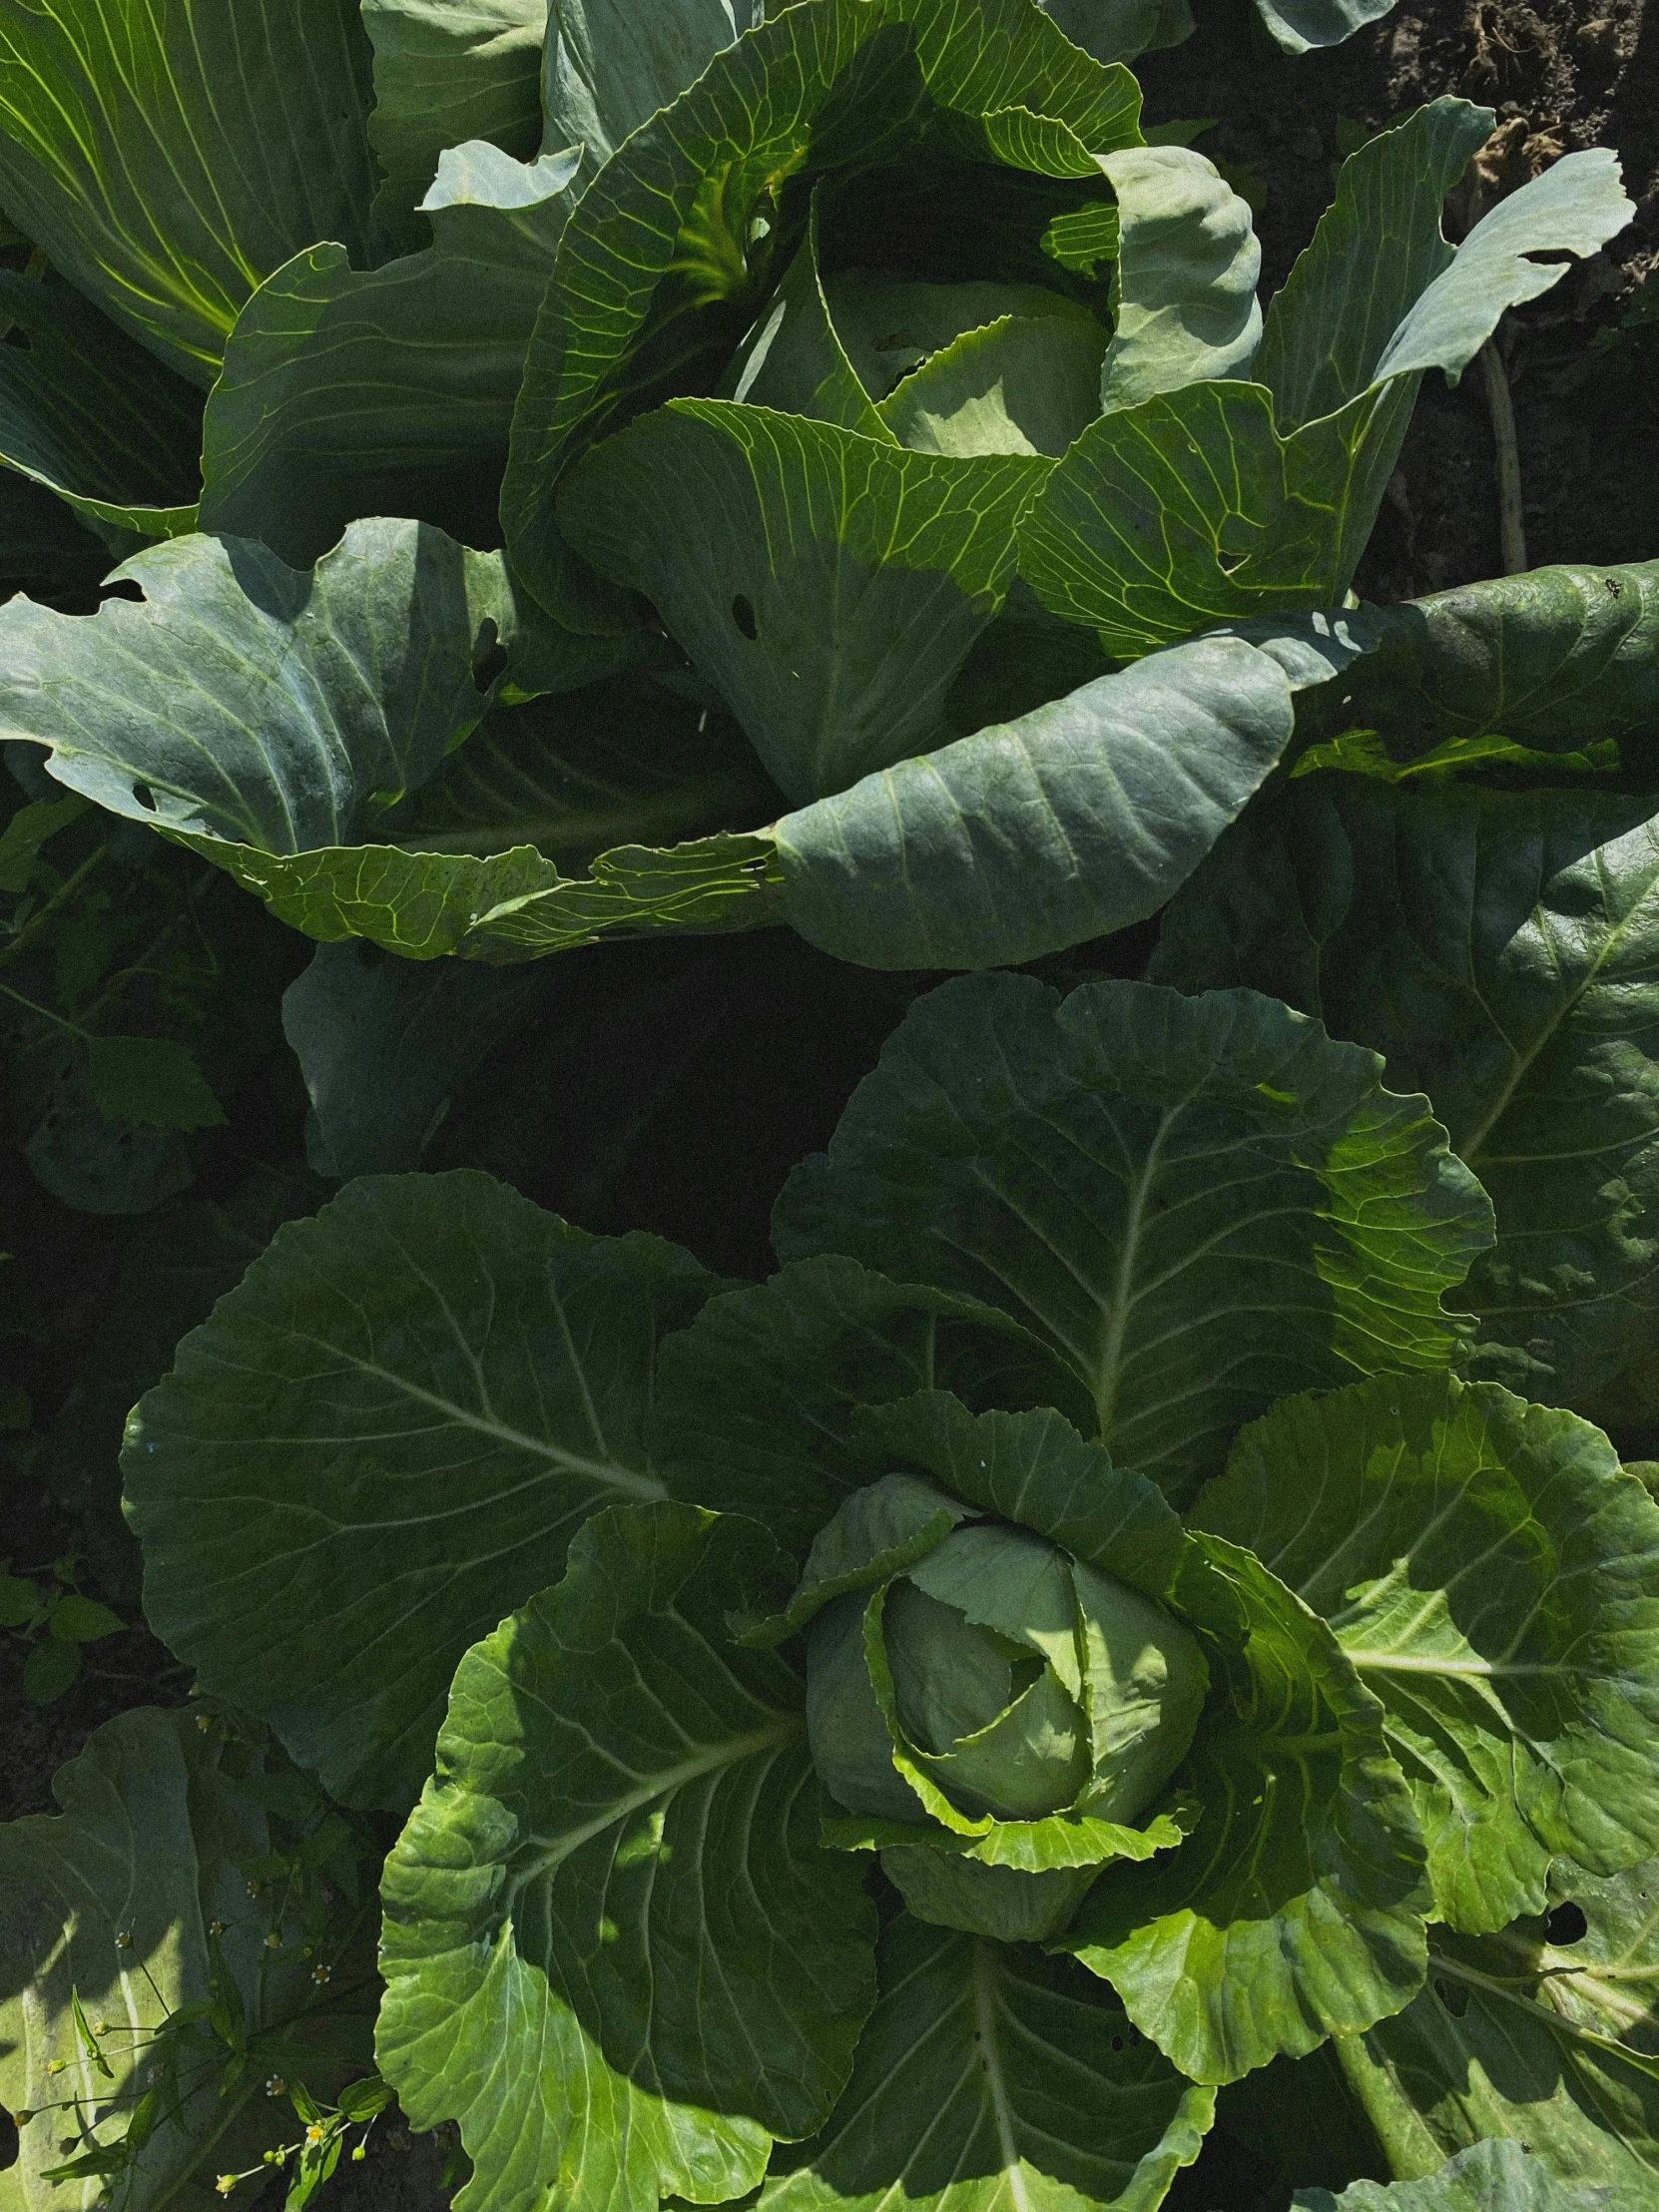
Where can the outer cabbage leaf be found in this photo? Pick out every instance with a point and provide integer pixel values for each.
(1294, 1910)
(1494, 1578)
(1501, 949)
(1185, 281)
(384, 1045)
(134, 1900)
(87, 413)
(614, 1950)
(1072, 822)
(169, 159)
(273, 718)
(1299, 26)
(992, 2077)
(1500, 2175)
(1555, 659)
(261, 705)
(653, 284)
(609, 66)
(829, 585)
(758, 1401)
(380, 1443)
(1549, 2038)
(350, 391)
(1199, 1206)
(446, 74)
(1219, 502)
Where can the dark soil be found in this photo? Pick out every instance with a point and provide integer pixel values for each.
(1561, 75)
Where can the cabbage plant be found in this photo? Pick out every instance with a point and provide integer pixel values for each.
(813, 464)
(1072, 1664)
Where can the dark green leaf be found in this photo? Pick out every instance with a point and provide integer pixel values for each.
(152, 1081)
(1294, 1912)
(756, 1403)
(1492, 1575)
(380, 1443)
(89, 413)
(27, 830)
(350, 391)
(649, 1967)
(1199, 1206)
(990, 2076)
(167, 161)
(443, 74)
(1503, 951)
(82, 1620)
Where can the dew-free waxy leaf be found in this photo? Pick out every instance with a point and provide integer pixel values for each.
(988, 2076)
(1495, 1580)
(167, 161)
(1199, 1205)
(1215, 501)
(381, 1443)
(1501, 950)
(615, 1951)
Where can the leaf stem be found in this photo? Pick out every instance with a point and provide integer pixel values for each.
(60, 897)
(1512, 526)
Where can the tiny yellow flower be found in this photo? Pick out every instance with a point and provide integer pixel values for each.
(253, 1888)
(224, 2184)
(216, 1928)
(275, 2085)
(320, 1974)
(202, 1722)
(313, 2134)
(273, 1942)
(123, 1941)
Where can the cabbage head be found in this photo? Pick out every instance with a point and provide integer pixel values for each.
(992, 1687)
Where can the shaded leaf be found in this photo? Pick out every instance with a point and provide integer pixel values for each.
(379, 1442)
(756, 1400)
(89, 413)
(829, 586)
(113, 1897)
(350, 391)
(1501, 948)
(1199, 1206)
(445, 74)
(991, 2076)
(1553, 2044)
(169, 161)
(384, 1044)
(153, 1082)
